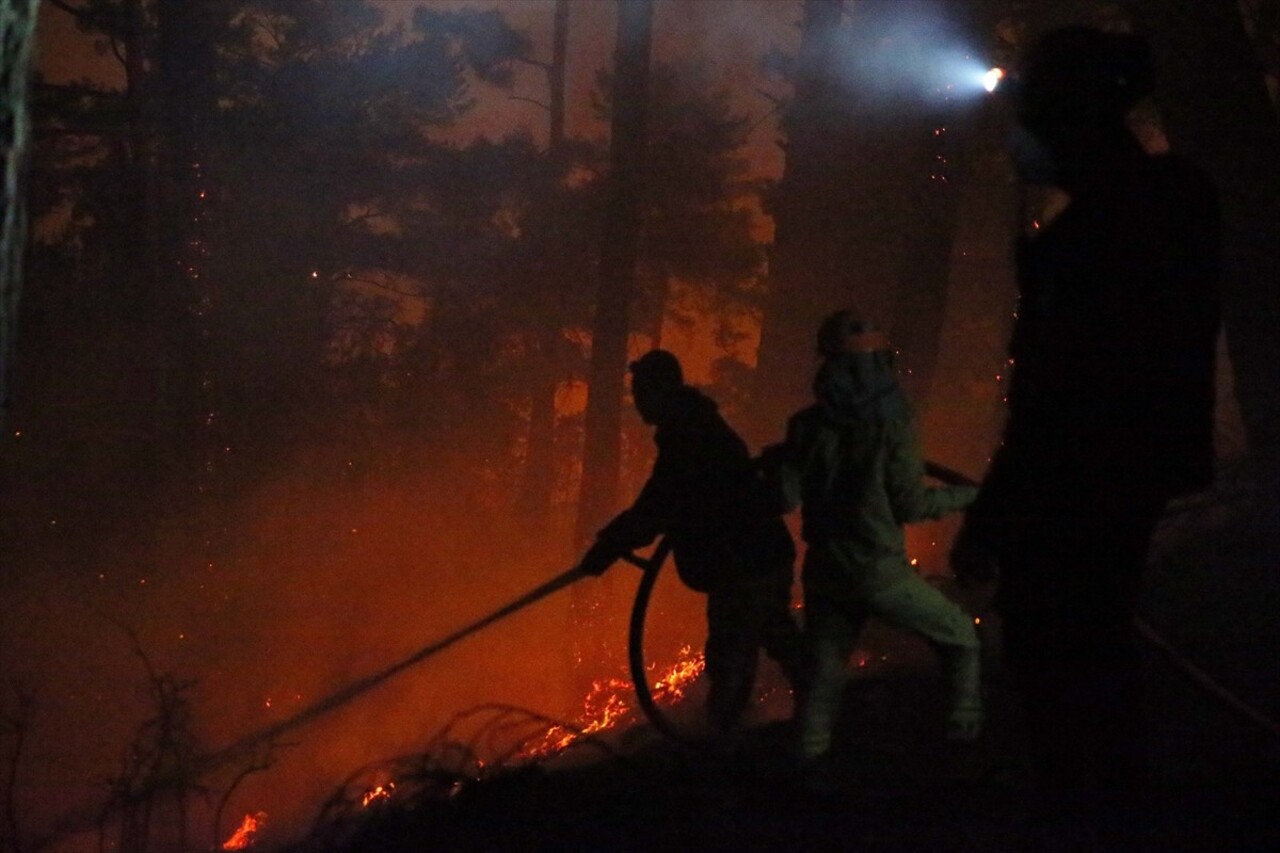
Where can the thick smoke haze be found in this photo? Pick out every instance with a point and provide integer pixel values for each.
(348, 546)
(321, 587)
(312, 579)
(912, 52)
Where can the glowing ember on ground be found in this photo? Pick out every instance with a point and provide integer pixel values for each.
(670, 686)
(609, 702)
(613, 700)
(378, 792)
(244, 836)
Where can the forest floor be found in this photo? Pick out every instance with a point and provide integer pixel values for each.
(1214, 594)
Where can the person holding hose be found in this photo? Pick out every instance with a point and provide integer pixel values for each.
(705, 495)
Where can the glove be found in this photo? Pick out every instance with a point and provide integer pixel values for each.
(599, 558)
(972, 559)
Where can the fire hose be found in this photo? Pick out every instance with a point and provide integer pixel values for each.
(635, 646)
(650, 567)
(635, 639)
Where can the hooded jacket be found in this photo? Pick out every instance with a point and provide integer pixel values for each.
(852, 461)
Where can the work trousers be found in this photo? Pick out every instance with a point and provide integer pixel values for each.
(833, 622)
(742, 618)
(1067, 606)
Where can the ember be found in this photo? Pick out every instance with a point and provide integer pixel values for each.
(378, 792)
(612, 700)
(246, 834)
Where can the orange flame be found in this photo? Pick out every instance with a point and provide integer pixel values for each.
(378, 792)
(611, 701)
(244, 836)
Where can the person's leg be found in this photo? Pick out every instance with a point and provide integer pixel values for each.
(1069, 641)
(1070, 645)
(732, 654)
(916, 606)
(830, 632)
(779, 634)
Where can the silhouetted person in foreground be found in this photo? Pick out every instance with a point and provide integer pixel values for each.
(852, 461)
(705, 495)
(1110, 407)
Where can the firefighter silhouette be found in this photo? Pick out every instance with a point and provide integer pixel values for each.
(1110, 403)
(705, 495)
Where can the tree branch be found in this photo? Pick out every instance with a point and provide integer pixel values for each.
(115, 49)
(365, 217)
(536, 63)
(771, 98)
(529, 101)
(74, 11)
(76, 89)
(382, 285)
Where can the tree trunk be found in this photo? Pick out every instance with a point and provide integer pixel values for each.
(1218, 111)
(808, 214)
(539, 471)
(602, 451)
(145, 254)
(187, 300)
(17, 37)
(593, 622)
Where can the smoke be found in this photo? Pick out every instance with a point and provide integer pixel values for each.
(320, 586)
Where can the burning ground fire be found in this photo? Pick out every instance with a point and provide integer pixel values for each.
(247, 832)
(612, 700)
(609, 703)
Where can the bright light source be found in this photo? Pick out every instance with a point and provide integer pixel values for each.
(992, 79)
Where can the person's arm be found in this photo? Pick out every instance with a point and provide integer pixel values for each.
(639, 524)
(782, 467)
(632, 528)
(909, 497)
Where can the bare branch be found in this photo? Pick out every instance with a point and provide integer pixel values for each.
(529, 101)
(771, 98)
(263, 763)
(74, 11)
(115, 51)
(382, 285)
(536, 63)
(776, 109)
(365, 217)
(75, 89)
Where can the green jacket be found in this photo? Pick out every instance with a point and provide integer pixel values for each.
(852, 462)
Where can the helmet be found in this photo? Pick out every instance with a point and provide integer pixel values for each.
(844, 332)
